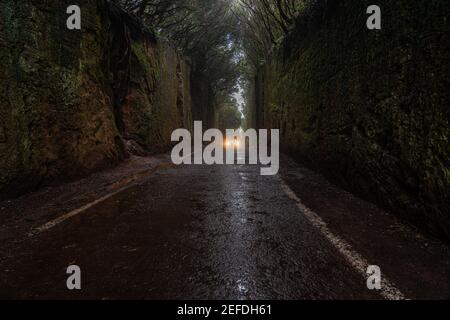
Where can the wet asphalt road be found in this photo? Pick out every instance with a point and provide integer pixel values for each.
(221, 232)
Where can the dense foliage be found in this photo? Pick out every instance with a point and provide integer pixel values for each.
(226, 40)
(205, 31)
(229, 117)
(264, 24)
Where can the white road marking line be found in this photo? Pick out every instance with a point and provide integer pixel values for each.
(73, 213)
(49, 225)
(388, 289)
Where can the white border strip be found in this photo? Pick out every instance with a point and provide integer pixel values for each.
(388, 289)
(73, 213)
(49, 225)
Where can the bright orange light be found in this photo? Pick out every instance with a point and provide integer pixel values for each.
(234, 143)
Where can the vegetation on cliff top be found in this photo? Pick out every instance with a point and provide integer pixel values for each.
(204, 31)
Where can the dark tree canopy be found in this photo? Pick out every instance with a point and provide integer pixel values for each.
(203, 30)
(226, 40)
(229, 116)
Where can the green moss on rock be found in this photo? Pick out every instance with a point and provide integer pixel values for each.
(368, 108)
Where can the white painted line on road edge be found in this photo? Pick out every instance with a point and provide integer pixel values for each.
(75, 212)
(388, 289)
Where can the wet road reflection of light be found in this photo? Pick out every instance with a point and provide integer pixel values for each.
(231, 249)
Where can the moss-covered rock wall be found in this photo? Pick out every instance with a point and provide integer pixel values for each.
(370, 109)
(72, 102)
(152, 91)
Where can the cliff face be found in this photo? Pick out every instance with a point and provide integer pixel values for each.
(151, 84)
(370, 109)
(72, 102)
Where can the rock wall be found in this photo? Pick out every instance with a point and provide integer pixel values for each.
(152, 86)
(370, 109)
(72, 102)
